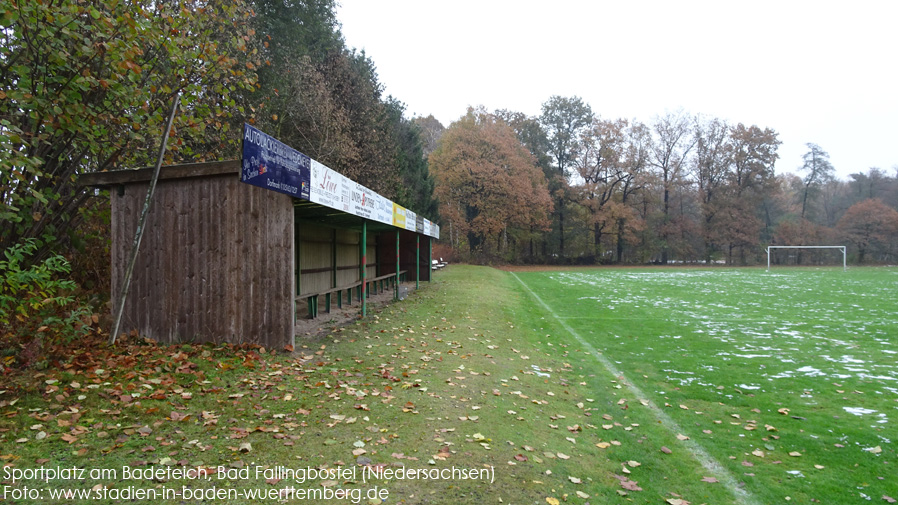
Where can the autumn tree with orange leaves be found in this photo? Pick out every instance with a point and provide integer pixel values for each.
(491, 192)
(870, 225)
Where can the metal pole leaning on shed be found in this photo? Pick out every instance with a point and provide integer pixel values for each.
(141, 223)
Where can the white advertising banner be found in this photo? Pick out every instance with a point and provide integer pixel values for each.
(410, 219)
(383, 209)
(328, 187)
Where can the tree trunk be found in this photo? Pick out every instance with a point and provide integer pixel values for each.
(664, 234)
(531, 242)
(620, 239)
(561, 226)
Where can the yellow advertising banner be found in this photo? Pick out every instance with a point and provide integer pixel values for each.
(398, 215)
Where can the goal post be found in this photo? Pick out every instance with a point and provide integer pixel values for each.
(841, 247)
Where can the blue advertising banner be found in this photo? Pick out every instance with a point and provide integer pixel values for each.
(271, 164)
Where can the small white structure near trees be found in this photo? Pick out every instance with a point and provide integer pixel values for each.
(844, 254)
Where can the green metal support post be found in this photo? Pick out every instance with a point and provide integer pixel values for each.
(396, 291)
(297, 271)
(363, 267)
(333, 271)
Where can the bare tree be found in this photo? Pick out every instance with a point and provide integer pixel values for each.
(669, 151)
(818, 171)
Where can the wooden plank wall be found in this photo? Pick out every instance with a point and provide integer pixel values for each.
(316, 257)
(347, 257)
(386, 253)
(216, 262)
(407, 251)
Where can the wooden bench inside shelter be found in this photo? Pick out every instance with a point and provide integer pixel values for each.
(372, 286)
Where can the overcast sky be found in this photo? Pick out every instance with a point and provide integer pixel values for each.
(823, 72)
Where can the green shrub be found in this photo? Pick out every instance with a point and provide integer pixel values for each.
(38, 304)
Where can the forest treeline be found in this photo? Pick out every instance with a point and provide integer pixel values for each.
(85, 86)
(569, 186)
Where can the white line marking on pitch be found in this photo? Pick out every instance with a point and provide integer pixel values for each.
(698, 452)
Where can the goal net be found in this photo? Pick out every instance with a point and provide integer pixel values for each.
(809, 247)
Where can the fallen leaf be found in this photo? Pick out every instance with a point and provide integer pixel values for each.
(681, 437)
(665, 450)
(575, 480)
(677, 501)
(874, 450)
(709, 479)
(795, 454)
(889, 499)
(552, 501)
(630, 485)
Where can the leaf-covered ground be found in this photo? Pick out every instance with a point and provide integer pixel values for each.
(470, 373)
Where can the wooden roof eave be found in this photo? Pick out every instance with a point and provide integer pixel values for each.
(131, 176)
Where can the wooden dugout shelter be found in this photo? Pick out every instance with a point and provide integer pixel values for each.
(225, 261)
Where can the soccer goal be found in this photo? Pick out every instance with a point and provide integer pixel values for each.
(841, 247)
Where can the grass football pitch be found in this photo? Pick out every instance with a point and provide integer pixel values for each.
(785, 382)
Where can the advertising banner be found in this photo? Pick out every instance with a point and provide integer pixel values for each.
(411, 220)
(383, 209)
(271, 164)
(328, 188)
(398, 216)
(419, 224)
(361, 202)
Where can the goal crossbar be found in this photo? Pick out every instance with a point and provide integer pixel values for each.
(841, 247)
